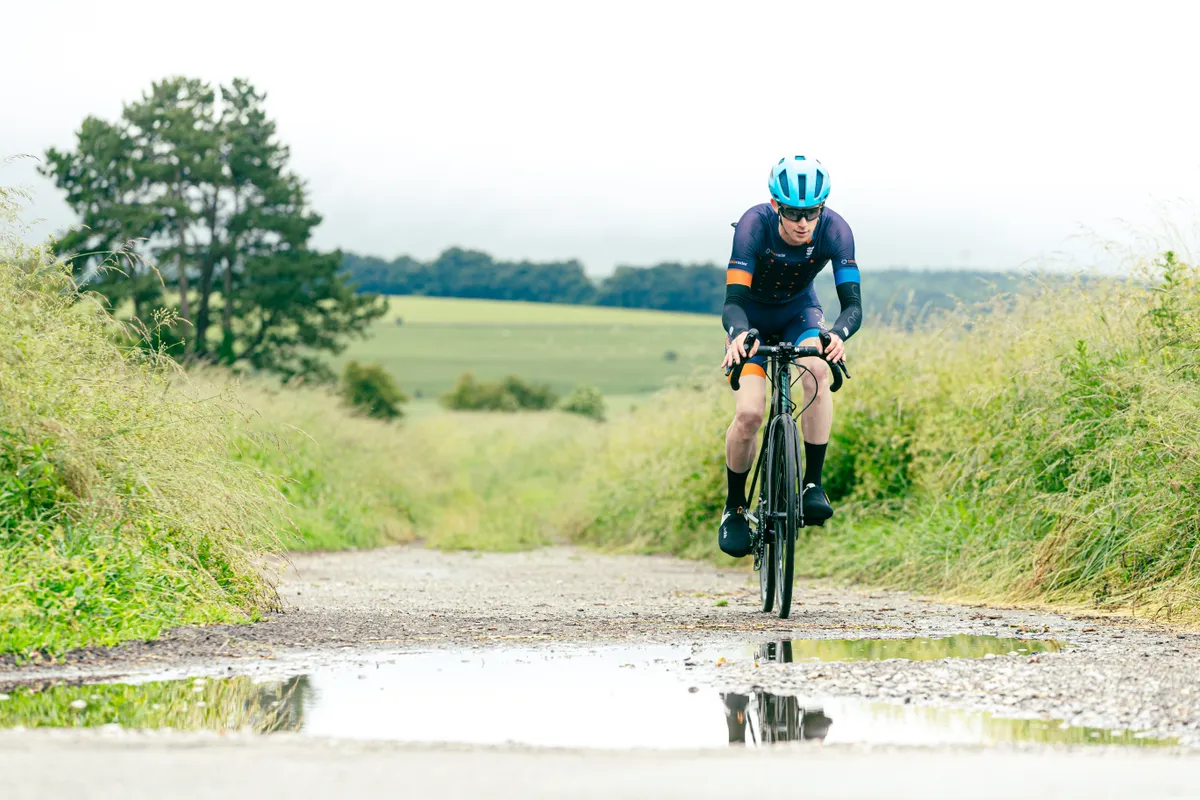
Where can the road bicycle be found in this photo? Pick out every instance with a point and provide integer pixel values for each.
(779, 513)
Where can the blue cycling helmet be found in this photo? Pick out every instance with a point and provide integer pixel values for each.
(799, 182)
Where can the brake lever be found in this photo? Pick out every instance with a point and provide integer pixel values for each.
(736, 369)
(827, 340)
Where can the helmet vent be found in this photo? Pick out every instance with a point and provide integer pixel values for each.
(801, 185)
(799, 158)
(819, 183)
(784, 185)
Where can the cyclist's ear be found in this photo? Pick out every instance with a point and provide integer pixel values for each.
(774, 204)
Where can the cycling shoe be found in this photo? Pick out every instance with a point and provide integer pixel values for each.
(816, 505)
(734, 536)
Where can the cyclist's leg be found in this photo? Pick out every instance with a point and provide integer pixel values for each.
(733, 534)
(741, 440)
(817, 419)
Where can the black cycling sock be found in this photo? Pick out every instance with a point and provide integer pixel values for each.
(814, 460)
(737, 488)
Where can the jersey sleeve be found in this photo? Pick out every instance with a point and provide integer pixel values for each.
(845, 268)
(848, 281)
(747, 241)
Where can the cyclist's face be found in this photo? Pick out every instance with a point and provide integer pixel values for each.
(795, 232)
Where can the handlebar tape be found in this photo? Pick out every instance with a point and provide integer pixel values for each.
(836, 369)
(735, 372)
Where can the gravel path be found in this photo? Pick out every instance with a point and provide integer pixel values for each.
(1118, 675)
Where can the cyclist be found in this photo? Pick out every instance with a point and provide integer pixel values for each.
(778, 248)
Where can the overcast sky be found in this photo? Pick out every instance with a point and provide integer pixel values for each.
(956, 134)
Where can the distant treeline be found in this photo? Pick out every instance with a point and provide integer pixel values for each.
(667, 287)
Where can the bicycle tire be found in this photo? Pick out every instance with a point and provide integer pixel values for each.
(785, 502)
(766, 539)
(766, 569)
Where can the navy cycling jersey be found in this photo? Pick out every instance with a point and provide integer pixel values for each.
(763, 268)
(776, 271)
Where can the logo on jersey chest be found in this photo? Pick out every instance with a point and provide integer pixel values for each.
(785, 257)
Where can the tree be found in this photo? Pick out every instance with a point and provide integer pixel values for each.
(585, 400)
(371, 389)
(668, 287)
(191, 186)
(469, 273)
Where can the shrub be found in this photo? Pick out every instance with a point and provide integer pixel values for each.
(585, 400)
(510, 394)
(370, 389)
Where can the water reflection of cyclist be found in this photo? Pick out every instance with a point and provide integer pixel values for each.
(735, 716)
(780, 718)
(815, 724)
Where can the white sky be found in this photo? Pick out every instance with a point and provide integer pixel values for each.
(956, 134)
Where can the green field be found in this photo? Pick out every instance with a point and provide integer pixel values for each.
(622, 351)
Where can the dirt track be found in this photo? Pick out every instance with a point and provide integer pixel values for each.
(412, 598)
(362, 605)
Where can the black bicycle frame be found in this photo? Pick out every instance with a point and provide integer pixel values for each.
(779, 375)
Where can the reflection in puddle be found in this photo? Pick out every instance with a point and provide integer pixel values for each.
(912, 649)
(768, 718)
(193, 704)
(608, 697)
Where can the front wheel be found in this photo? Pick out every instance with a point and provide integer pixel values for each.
(784, 507)
(766, 564)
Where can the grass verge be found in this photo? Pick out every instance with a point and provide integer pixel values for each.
(120, 511)
(470, 480)
(1043, 449)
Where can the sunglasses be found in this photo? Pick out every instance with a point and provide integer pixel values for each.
(797, 214)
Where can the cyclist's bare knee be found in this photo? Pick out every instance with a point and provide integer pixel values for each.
(751, 399)
(748, 419)
(817, 367)
(813, 367)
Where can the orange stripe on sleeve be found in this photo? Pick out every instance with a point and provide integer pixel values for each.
(739, 277)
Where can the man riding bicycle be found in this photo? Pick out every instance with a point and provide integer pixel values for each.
(778, 249)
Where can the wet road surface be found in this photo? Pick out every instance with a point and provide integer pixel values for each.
(413, 655)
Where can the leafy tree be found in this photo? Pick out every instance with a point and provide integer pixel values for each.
(370, 389)
(667, 287)
(585, 400)
(470, 273)
(510, 394)
(905, 294)
(192, 187)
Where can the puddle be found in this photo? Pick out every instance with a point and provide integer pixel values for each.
(958, 646)
(602, 697)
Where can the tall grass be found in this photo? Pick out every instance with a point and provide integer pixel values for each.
(120, 511)
(135, 497)
(657, 483)
(495, 481)
(1045, 447)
